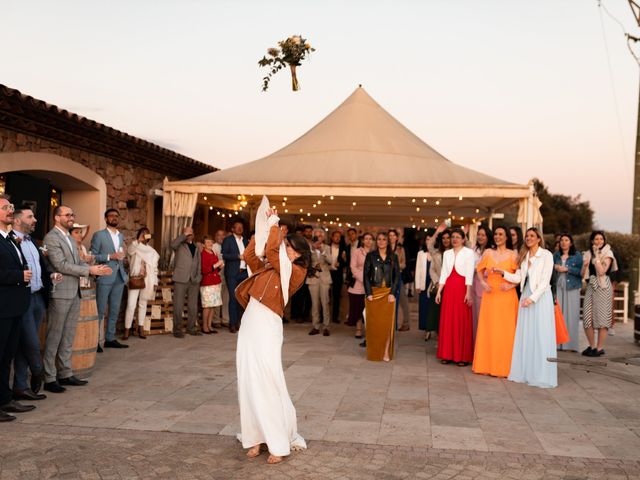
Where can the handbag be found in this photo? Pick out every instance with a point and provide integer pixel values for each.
(136, 282)
(562, 335)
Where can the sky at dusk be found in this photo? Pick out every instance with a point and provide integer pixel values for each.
(516, 89)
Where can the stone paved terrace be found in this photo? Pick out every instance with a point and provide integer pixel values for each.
(168, 408)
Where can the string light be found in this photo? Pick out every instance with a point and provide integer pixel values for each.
(437, 202)
(325, 214)
(331, 197)
(286, 210)
(460, 197)
(436, 220)
(205, 197)
(210, 208)
(217, 213)
(388, 202)
(285, 199)
(417, 209)
(413, 226)
(301, 210)
(477, 210)
(413, 200)
(424, 200)
(319, 202)
(308, 214)
(314, 205)
(354, 204)
(449, 212)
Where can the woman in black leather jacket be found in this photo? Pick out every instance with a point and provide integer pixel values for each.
(381, 275)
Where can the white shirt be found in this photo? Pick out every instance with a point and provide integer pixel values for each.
(240, 249)
(115, 238)
(65, 234)
(335, 252)
(464, 262)
(5, 235)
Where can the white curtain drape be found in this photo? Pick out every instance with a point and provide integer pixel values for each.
(178, 209)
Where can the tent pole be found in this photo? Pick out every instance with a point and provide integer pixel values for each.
(491, 219)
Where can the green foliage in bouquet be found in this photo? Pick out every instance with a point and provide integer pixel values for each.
(292, 52)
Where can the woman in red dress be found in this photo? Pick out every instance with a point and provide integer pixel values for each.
(455, 339)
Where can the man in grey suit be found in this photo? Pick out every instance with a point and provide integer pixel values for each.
(319, 283)
(109, 248)
(64, 306)
(187, 274)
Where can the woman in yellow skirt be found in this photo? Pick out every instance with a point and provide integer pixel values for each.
(381, 276)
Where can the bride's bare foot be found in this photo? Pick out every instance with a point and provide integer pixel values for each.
(254, 452)
(274, 459)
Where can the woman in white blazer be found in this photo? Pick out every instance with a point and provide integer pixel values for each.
(535, 331)
(455, 339)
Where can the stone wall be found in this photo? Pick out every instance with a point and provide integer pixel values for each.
(124, 182)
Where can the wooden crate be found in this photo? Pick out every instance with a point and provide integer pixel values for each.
(164, 304)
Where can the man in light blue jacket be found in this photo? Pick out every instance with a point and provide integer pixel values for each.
(109, 248)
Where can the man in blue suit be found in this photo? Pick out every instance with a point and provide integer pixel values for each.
(109, 248)
(235, 270)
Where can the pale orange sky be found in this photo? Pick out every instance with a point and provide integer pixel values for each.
(514, 88)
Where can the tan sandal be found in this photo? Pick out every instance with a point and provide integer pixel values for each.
(274, 460)
(254, 451)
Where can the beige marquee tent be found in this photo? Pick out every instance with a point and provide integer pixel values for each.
(357, 166)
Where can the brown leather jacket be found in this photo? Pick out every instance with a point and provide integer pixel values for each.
(264, 284)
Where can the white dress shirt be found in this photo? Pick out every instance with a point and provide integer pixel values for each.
(5, 235)
(335, 252)
(115, 238)
(240, 244)
(464, 262)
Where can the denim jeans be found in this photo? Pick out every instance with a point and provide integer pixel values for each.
(28, 354)
(110, 294)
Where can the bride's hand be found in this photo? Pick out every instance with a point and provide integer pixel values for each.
(271, 211)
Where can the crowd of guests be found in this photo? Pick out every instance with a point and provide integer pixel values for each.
(490, 305)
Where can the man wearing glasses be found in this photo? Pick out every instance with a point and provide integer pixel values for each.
(64, 307)
(15, 297)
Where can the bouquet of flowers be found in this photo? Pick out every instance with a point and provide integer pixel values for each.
(291, 52)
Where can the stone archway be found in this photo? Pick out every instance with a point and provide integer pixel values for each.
(83, 189)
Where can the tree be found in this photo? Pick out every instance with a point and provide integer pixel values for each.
(563, 213)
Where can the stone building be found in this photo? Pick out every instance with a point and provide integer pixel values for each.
(49, 155)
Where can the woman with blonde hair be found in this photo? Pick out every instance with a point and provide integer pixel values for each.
(535, 339)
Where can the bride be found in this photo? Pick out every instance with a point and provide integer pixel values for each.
(267, 415)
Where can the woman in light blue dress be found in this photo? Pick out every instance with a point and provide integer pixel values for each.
(535, 339)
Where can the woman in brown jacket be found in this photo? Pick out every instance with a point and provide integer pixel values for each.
(267, 415)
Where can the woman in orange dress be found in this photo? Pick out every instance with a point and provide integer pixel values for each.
(498, 310)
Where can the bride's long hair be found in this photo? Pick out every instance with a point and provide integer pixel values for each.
(300, 245)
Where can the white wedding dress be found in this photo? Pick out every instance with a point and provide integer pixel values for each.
(267, 414)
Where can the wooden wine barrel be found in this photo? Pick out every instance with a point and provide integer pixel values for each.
(83, 357)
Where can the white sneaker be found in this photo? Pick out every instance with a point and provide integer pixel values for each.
(611, 332)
